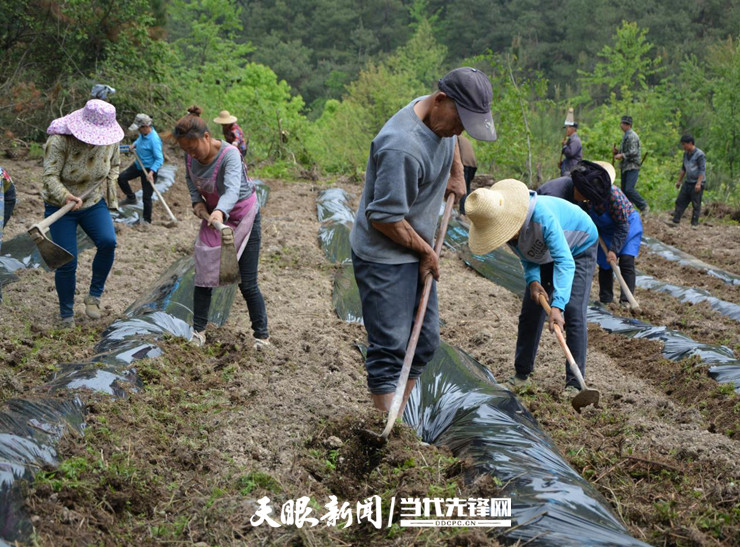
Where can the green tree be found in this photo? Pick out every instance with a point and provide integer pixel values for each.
(625, 67)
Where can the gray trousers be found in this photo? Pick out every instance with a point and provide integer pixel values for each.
(687, 195)
(532, 318)
(390, 295)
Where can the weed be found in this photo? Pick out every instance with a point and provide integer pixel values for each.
(256, 479)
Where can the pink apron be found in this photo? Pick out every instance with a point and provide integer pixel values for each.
(207, 250)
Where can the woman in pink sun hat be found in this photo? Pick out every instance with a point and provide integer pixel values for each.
(81, 151)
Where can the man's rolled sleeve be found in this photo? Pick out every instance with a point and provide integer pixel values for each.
(396, 187)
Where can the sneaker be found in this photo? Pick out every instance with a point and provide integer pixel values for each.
(519, 380)
(128, 200)
(261, 343)
(92, 306)
(198, 339)
(694, 226)
(570, 391)
(66, 323)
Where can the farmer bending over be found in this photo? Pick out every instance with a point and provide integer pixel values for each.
(221, 191)
(410, 162)
(556, 242)
(619, 224)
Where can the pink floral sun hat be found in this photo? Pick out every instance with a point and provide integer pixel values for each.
(95, 123)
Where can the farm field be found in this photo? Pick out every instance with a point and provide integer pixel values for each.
(213, 429)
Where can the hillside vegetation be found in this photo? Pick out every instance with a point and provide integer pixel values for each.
(312, 82)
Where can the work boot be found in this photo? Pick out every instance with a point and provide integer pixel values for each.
(65, 322)
(519, 380)
(198, 339)
(128, 200)
(92, 306)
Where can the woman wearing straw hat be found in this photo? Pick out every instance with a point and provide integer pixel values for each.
(81, 151)
(591, 184)
(556, 242)
(233, 134)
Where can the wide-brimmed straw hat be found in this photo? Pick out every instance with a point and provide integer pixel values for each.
(224, 118)
(496, 214)
(95, 123)
(609, 169)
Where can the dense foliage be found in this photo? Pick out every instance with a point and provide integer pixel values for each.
(312, 81)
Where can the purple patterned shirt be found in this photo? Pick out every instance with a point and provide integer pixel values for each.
(236, 137)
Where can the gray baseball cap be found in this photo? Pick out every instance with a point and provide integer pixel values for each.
(141, 120)
(471, 90)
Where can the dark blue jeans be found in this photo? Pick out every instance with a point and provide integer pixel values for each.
(9, 204)
(248, 266)
(390, 295)
(95, 221)
(532, 318)
(629, 183)
(146, 189)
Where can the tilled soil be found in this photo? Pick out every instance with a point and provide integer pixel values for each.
(216, 428)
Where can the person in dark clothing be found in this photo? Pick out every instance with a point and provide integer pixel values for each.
(629, 153)
(591, 185)
(572, 151)
(693, 177)
(470, 166)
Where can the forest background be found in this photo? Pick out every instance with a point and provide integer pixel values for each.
(312, 81)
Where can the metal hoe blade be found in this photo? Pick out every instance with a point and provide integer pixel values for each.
(53, 254)
(584, 398)
(229, 268)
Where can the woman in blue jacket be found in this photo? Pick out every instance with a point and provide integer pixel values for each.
(618, 222)
(556, 242)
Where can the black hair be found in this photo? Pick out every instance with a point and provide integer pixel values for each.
(687, 139)
(191, 126)
(592, 181)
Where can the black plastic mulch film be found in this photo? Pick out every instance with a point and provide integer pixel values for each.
(684, 259)
(30, 428)
(457, 403)
(502, 267)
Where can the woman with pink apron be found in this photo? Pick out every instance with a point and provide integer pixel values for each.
(221, 191)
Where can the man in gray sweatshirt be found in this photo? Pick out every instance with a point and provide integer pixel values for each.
(409, 170)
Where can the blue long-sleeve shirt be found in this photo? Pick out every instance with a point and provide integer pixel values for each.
(554, 231)
(149, 149)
